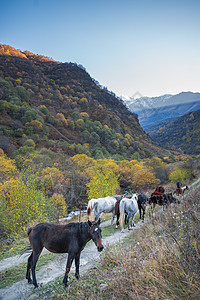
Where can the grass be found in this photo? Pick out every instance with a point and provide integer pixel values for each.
(13, 247)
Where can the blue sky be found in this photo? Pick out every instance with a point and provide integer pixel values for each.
(150, 47)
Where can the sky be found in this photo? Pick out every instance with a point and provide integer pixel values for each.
(134, 48)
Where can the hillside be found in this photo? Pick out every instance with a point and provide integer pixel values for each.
(183, 132)
(59, 106)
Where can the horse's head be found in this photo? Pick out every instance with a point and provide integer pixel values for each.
(95, 232)
(134, 196)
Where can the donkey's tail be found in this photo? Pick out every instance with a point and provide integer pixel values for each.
(122, 211)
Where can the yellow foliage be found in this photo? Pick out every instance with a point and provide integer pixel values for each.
(83, 161)
(20, 203)
(7, 168)
(36, 125)
(52, 178)
(104, 183)
(106, 127)
(61, 117)
(84, 114)
(59, 204)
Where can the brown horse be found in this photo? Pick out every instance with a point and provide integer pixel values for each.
(181, 190)
(70, 238)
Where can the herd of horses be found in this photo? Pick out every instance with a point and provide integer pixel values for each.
(127, 206)
(71, 238)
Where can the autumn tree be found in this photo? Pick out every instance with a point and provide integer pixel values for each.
(59, 205)
(104, 183)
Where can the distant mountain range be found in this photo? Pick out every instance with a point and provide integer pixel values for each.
(155, 110)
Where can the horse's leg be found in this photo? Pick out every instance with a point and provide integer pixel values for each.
(128, 218)
(140, 210)
(28, 276)
(68, 267)
(77, 264)
(125, 221)
(117, 222)
(36, 254)
(143, 214)
(133, 218)
(113, 216)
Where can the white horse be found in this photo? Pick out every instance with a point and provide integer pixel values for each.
(129, 207)
(102, 205)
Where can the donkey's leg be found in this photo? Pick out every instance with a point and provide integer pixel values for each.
(77, 264)
(68, 267)
(28, 276)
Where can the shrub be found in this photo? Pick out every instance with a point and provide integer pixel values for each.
(29, 143)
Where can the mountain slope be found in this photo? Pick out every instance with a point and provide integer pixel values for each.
(59, 106)
(183, 132)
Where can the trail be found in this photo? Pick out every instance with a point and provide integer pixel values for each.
(55, 268)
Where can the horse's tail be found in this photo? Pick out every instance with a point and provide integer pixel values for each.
(89, 208)
(122, 211)
(88, 211)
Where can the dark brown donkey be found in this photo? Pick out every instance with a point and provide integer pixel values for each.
(57, 238)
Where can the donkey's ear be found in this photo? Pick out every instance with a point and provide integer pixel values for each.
(99, 221)
(89, 223)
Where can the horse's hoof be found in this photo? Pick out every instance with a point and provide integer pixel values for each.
(36, 287)
(116, 226)
(30, 281)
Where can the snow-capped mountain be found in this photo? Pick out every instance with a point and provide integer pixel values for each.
(139, 104)
(153, 110)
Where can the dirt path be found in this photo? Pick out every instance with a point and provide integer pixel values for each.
(55, 268)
